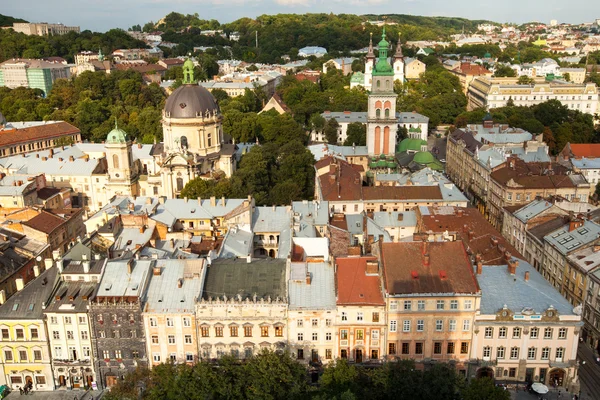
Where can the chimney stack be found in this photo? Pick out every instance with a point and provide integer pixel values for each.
(308, 278)
(512, 266)
(179, 283)
(526, 276)
(130, 266)
(223, 201)
(48, 262)
(426, 259)
(36, 271)
(142, 229)
(2, 296)
(86, 267)
(20, 284)
(213, 201)
(372, 267)
(424, 247)
(479, 267)
(459, 212)
(471, 234)
(156, 271)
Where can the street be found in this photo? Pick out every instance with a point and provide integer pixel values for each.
(58, 395)
(589, 373)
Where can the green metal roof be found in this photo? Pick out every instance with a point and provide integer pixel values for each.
(423, 157)
(117, 136)
(358, 77)
(411, 145)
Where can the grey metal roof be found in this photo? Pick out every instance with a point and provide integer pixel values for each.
(586, 259)
(319, 294)
(164, 292)
(78, 291)
(355, 223)
(275, 219)
(313, 212)
(586, 163)
(532, 209)
(27, 303)
(566, 242)
(237, 243)
(34, 163)
(181, 209)
(500, 288)
(117, 281)
(236, 277)
(392, 218)
(189, 101)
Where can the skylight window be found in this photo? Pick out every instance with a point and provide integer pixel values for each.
(15, 306)
(582, 231)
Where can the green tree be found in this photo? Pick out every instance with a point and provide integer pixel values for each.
(484, 389)
(317, 122)
(525, 80)
(339, 377)
(504, 70)
(331, 131)
(356, 134)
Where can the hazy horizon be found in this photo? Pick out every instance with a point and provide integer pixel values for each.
(89, 14)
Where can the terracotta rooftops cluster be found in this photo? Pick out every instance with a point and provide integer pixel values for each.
(471, 228)
(34, 133)
(533, 175)
(427, 267)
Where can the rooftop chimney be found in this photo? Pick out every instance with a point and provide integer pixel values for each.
(308, 278)
(156, 271)
(574, 224)
(36, 271)
(199, 201)
(424, 247)
(179, 283)
(2, 296)
(142, 229)
(223, 201)
(372, 267)
(512, 266)
(20, 284)
(130, 266)
(213, 201)
(86, 267)
(459, 212)
(426, 259)
(479, 267)
(526, 276)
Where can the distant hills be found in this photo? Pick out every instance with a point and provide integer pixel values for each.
(6, 20)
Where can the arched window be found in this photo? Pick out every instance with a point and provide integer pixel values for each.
(115, 161)
(378, 84)
(184, 142)
(387, 112)
(179, 184)
(378, 113)
(387, 84)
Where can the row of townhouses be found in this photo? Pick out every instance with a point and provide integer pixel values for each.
(152, 285)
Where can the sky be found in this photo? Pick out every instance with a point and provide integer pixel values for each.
(102, 15)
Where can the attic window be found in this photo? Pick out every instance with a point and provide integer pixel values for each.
(108, 286)
(134, 287)
(193, 210)
(15, 306)
(582, 231)
(128, 242)
(30, 308)
(160, 299)
(361, 295)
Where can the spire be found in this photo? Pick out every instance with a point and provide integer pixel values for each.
(100, 55)
(398, 53)
(371, 53)
(116, 123)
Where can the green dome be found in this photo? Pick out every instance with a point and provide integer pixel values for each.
(117, 136)
(411, 144)
(423, 157)
(358, 77)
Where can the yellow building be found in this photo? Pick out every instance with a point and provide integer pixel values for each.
(25, 356)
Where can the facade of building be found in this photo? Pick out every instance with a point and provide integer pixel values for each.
(26, 357)
(431, 300)
(43, 29)
(243, 308)
(28, 137)
(169, 314)
(360, 325)
(491, 93)
(115, 314)
(34, 74)
(526, 331)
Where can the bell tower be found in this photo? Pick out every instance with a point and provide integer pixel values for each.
(399, 63)
(369, 64)
(382, 123)
(122, 174)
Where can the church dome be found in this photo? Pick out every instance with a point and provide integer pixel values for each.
(190, 101)
(424, 157)
(117, 136)
(411, 144)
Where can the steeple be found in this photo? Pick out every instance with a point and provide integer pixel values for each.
(100, 55)
(371, 53)
(383, 67)
(398, 53)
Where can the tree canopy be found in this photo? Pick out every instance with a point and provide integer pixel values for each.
(275, 376)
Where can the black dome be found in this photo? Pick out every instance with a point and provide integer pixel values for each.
(189, 101)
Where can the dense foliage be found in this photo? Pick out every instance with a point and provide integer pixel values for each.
(438, 94)
(556, 122)
(272, 376)
(5, 20)
(19, 45)
(91, 102)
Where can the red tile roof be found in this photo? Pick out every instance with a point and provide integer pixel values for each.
(533, 175)
(470, 227)
(354, 286)
(45, 222)
(589, 150)
(341, 182)
(473, 69)
(41, 132)
(406, 271)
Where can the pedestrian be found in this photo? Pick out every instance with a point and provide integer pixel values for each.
(21, 390)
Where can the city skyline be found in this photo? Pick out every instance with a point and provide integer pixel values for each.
(123, 14)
